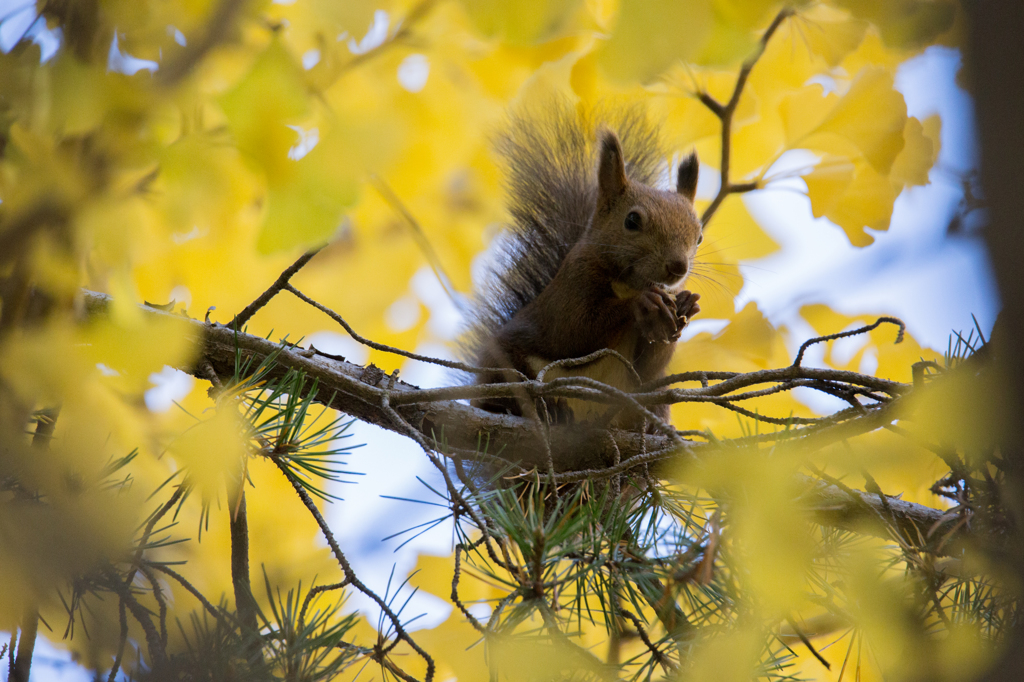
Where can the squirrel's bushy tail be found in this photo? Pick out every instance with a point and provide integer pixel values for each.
(549, 158)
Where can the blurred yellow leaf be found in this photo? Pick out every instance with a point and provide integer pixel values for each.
(307, 208)
(521, 23)
(318, 23)
(137, 352)
(735, 236)
(961, 410)
(525, 659)
(918, 156)
(853, 196)
(212, 452)
(803, 110)
(830, 34)
(872, 115)
(651, 34)
(906, 23)
(260, 107)
(205, 184)
(730, 657)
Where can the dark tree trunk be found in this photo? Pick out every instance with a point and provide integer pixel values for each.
(995, 62)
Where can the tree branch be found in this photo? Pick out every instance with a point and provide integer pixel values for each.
(725, 113)
(245, 604)
(350, 575)
(280, 283)
(26, 646)
(584, 451)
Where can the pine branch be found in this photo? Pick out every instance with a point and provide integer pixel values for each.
(462, 432)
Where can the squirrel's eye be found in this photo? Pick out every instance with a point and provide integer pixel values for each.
(633, 221)
(700, 239)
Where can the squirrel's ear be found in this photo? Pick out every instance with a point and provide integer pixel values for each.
(611, 174)
(687, 182)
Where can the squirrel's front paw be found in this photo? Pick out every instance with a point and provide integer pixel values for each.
(656, 315)
(555, 411)
(686, 307)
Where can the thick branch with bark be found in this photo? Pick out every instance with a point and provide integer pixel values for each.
(463, 432)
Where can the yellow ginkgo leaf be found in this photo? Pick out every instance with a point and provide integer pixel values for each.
(260, 107)
(212, 452)
(752, 336)
(872, 115)
(651, 34)
(754, 146)
(871, 53)
(686, 119)
(307, 208)
(853, 196)
(829, 32)
(521, 23)
(804, 110)
(827, 183)
(912, 165)
(906, 23)
(734, 235)
(786, 63)
(735, 31)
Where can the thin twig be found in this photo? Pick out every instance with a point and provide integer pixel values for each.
(807, 643)
(280, 283)
(26, 646)
(350, 576)
(238, 521)
(725, 114)
(459, 549)
(853, 332)
(122, 641)
(190, 587)
(313, 592)
(660, 657)
(452, 364)
(384, 189)
(154, 643)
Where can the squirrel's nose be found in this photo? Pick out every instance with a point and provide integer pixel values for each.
(676, 268)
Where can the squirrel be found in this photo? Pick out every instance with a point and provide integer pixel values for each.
(595, 258)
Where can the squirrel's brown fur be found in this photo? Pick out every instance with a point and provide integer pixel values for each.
(592, 255)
